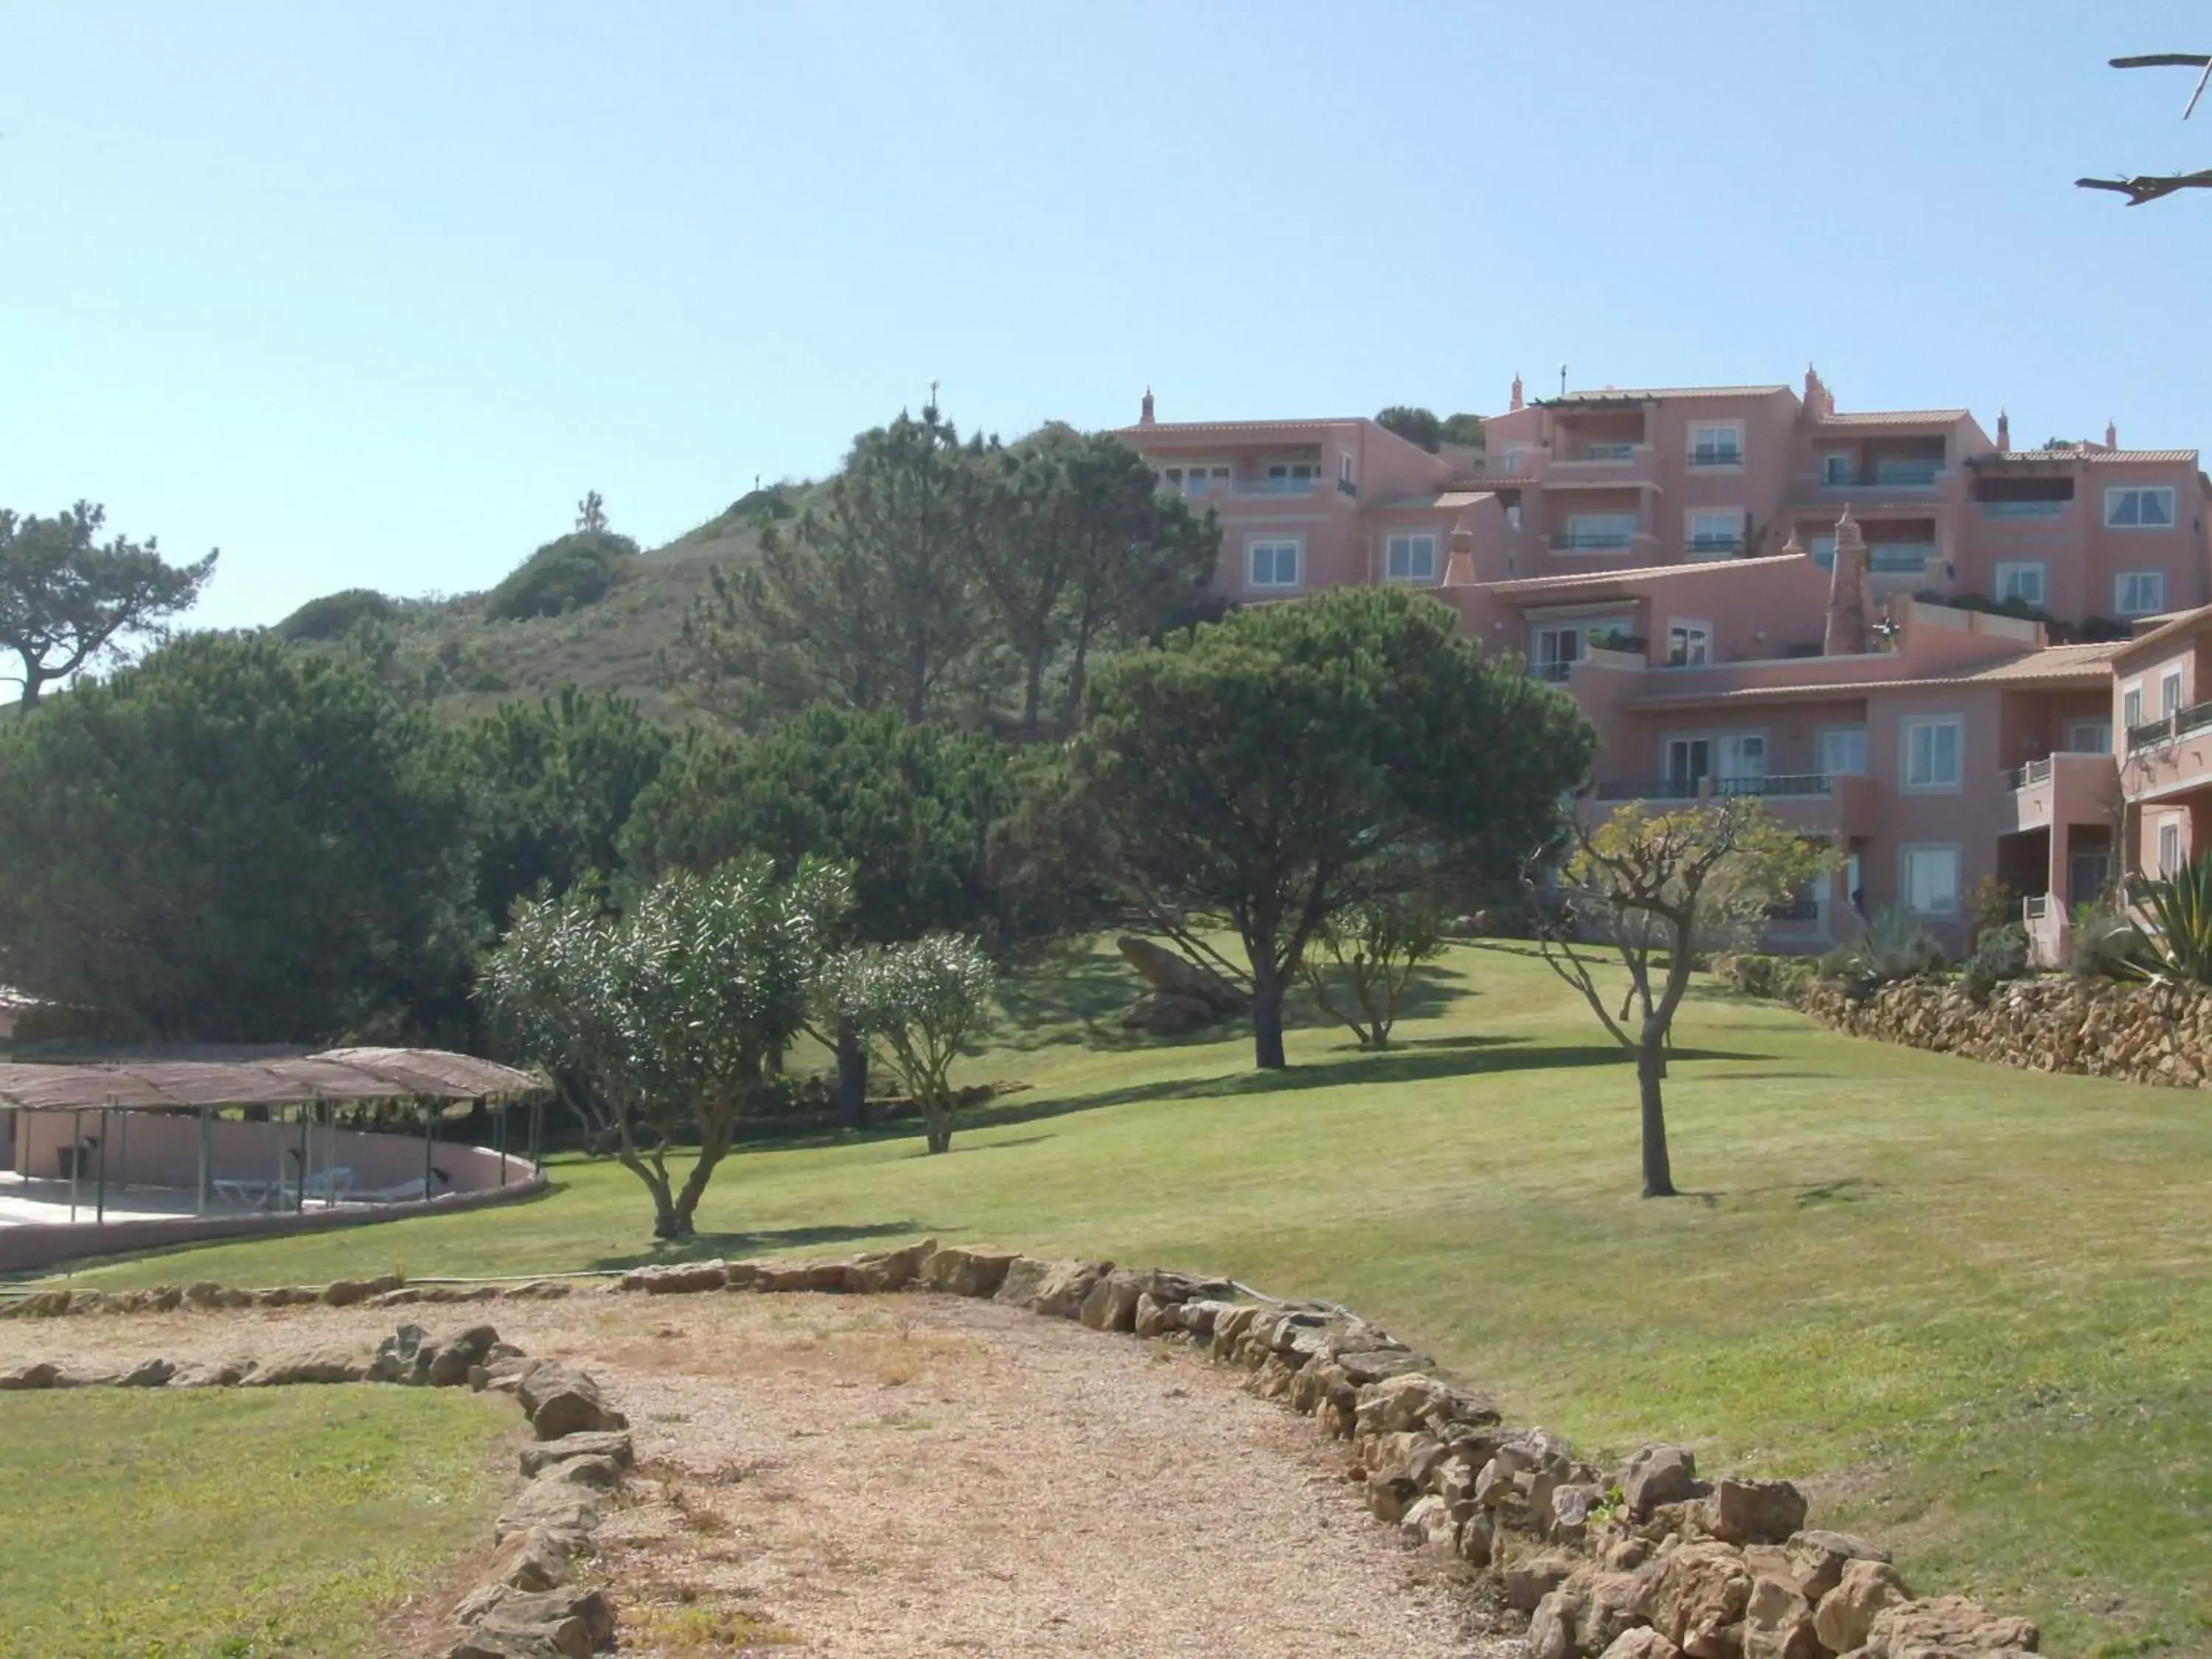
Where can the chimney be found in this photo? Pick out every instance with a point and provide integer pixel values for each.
(2111, 436)
(1145, 408)
(1516, 403)
(1793, 545)
(1459, 568)
(2004, 431)
(1846, 632)
(1818, 404)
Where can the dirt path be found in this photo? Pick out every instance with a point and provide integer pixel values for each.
(925, 1476)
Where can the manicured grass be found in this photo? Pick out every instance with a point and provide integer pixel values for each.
(233, 1523)
(1971, 1308)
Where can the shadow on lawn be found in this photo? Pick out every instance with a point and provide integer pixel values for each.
(770, 1240)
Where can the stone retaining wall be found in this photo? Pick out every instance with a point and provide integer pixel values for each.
(2155, 1035)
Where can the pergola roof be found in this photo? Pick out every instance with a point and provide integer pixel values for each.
(336, 1074)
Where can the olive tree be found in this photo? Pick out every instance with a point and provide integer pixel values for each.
(1371, 951)
(675, 1010)
(1654, 887)
(924, 1000)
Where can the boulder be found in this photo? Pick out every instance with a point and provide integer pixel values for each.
(1155, 1317)
(573, 1624)
(1611, 1603)
(1055, 1289)
(1657, 1475)
(566, 1512)
(1698, 1591)
(1552, 1628)
(540, 1290)
(1847, 1612)
(1530, 1578)
(1817, 1560)
(146, 1374)
(40, 1304)
(328, 1364)
(344, 1293)
(1167, 1014)
(459, 1354)
(600, 1473)
(1754, 1511)
(1111, 1305)
(204, 1293)
(1428, 1521)
(833, 1278)
(613, 1444)
(1643, 1644)
(967, 1270)
(560, 1400)
(220, 1374)
(883, 1271)
(401, 1357)
(781, 1277)
(1778, 1623)
(1379, 1364)
(531, 1559)
(38, 1374)
(1163, 970)
(1946, 1626)
(1478, 1540)
(677, 1278)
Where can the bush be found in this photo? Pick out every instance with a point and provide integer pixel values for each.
(1891, 947)
(1776, 979)
(562, 576)
(2176, 943)
(334, 615)
(2101, 940)
(2000, 954)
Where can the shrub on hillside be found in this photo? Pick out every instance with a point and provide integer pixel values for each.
(563, 576)
(1891, 947)
(1776, 979)
(2000, 954)
(334, 615)
(2101, 939)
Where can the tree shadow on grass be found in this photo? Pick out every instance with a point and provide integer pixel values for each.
(769, 1241)
(1803, 1195)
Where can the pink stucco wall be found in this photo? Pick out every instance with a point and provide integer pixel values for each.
(153, 1150)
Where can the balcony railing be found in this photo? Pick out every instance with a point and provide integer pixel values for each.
(1895, 557)
(1346, 487)
(2151, 732)
(1607, 452)
(1594, 541)
(1273, 486)
(2036, 771)
(2023, 509)
(1717, 457)
(1777, 784)
(1553, 672)
(1713, 546)
(1650, 789)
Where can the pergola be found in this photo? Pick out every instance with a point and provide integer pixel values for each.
(310, 1082)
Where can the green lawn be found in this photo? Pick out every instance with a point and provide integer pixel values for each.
(1971, 1307)
(233, 1523)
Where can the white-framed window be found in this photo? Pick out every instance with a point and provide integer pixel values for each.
(2169, 692)
(2169, 845)
(1743, 757)
(1715, 531)
(1291, 478)
(1410, 557)
(1343, 467)
(1844, 751)
(1600, 533)
(2136, 507)
(1553, 646)
(1933, 747)
(1836, 468)
(1930, 878)
(1273, 562)
(2131, 707)
(1689, 644)
(2022, 581)
(2139, 592)
(2088, 736)
(1717, 444)
(1198, 478)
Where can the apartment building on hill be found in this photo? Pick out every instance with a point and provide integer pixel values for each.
(1752, 591)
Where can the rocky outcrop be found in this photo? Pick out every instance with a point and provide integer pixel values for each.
(1182, 995)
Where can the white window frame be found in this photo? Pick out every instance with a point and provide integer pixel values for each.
(1344, 466)
(2130, 707)
(2101, 730)
(2120, 581)
(1905, 854)
(1834, 460)
(2010, 570)
(2116, 494)
(1274, 544)
(1195, 480)
(1724, 547)
(2169, 827)
(1910, 724)
(1733, 448)
(1412, 577)
(1575, 520)
(1688, 626)
(2169, 693)
(1821, 748)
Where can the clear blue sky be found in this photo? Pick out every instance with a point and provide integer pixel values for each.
(370, 295)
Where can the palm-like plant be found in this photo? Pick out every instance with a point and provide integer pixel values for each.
(2176, 925)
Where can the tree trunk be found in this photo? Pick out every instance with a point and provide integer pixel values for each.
(938, 1116)
(1650, 1067)
(851, 1077)
(917, 677)
(1268, 1022)
(711, 1147)
(1032, 694)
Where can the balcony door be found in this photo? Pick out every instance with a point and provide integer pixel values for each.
(1556, 648)
(1743, 759)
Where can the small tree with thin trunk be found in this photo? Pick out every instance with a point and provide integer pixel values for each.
(924, 1000)
(1657, 888)
(1371, 951)
(67, 599)
(675, 1010)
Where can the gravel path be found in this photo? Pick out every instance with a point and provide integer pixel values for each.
(925, 1476)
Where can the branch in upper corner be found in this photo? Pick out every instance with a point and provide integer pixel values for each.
(2149, 187)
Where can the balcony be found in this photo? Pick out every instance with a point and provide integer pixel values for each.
(1551, 673)
(2023, 509)
(2180, 724)
(1900, 558)
(1715, 547)
(1829, 805)
(2062, 788)
(1273, 486)
(1716, 457)
(1592, 541)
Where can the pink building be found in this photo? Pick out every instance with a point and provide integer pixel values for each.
(1669, 556)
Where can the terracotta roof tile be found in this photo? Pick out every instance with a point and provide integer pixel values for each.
(1894, 416)
(2104, 455)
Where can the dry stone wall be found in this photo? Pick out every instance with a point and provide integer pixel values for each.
(2157, 1035)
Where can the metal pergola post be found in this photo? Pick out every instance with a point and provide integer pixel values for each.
(100, 1191)
(498, 1145)
(536, 1122)
(77, 1154)
(199, 1196)
(122, 1154)
(429, 1133)
(299, 1198)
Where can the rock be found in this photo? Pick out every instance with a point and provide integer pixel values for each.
(677, 1278)
(1167, 1014)
(883, 1272)
(1155, 1317)
(1696, 1592)
(1198, 1315)
(328, 1364)
(1230, 1324)
(1946, 1626)
(1657, 1475)
(828, 1278)
(1390, 1497)
(1817, 1560)
(1163, 970)
(600, 1473)
(533, 1560)
(344, 1293)
(540, 1290)
(285, 1295)
(401, 1357)
(39, 1375)
(1379, 1364)
(1754, 1511)
(458, 1355)
(40, 1304)
(573, 1624)
(1478, 1540)
(204, 1293)
(1055, 1289)
(1778, 1623)
(1610, 1603)
(968, 1270)
(612, 1444)
(1530, 1578)
(781, 1277)
(1845, 1613)
(1568, 1517)
(1414, 1399)
(146, 1374)
(1111, 1305)
(566, 1512)
(224, 1374)
(1428, 1521)
(1552, 1629)
(1643, 1644)
(561, 1400)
